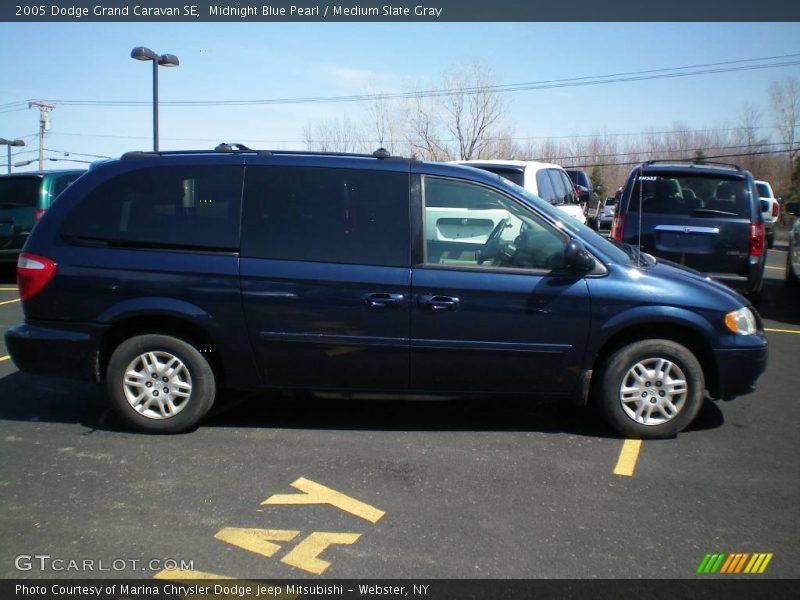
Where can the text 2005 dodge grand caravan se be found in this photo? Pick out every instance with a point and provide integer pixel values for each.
(171, 275)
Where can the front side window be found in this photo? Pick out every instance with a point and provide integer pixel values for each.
(169, 207)
(329, 215)
(469, 225)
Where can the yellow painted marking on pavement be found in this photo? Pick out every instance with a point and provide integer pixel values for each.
(6, 357)
(756, 563)
(177, 574)
(776, 268)
(782, 330)
(305, 555)
(8, 289)
(627, 458)
(9, 301)
(258, 541)
(315, 493)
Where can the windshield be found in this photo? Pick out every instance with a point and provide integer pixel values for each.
(19, 191)
(696, 195)
(614, 251)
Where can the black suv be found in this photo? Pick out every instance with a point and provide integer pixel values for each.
(705, 216)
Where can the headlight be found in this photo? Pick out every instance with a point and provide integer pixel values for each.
(741, 321)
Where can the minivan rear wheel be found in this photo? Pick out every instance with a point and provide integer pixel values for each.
(159, 383)
(652, 389)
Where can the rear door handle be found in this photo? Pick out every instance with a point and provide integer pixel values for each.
(438, 303)
(383, 300)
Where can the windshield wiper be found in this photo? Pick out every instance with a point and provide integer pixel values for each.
(699, 212)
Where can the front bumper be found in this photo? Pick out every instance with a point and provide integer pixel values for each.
(738, 369)
(56, 349)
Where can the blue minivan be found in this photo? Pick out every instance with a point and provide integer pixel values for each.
(169, 276)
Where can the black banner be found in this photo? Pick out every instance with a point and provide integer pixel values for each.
(397, 10)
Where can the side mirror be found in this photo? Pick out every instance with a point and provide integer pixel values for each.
(577, 257)
(793, 208)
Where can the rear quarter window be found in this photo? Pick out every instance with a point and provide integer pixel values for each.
(181, 207)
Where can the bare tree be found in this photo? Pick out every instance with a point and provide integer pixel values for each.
(334, 135)
(784, 98)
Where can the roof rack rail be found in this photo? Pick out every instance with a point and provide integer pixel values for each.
(380, 153)
(693, 162)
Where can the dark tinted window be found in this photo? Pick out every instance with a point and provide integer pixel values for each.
(569, 189)
(62, 183)
(545, 187)
(763, 190)
(579, 178)
(693, 195)
(19, 191)
(513, 174)
(163, 206)
(327, 215)
(560, 184)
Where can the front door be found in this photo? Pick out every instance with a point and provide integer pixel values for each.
(495, 310)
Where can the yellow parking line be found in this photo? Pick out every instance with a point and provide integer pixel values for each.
(628, 455)
(776, 268)
(783, 330)
(9, 301)
(8, 289)
(6, 357)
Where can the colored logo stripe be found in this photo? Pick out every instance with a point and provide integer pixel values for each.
(734, 563)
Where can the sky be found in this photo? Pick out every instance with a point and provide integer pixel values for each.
(91, 61)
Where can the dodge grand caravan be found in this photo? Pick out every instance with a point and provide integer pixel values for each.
(168, 276)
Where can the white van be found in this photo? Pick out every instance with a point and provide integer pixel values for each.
(548, 181)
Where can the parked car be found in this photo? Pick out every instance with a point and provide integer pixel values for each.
(605, 216)
(770, 209)
(793, 255)
(705, 216)
(23, 199)
(546, 180)
(583, 183)
(169, 276)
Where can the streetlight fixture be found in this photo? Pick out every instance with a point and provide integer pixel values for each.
(159, 60)
(25, 163)
(9, 143)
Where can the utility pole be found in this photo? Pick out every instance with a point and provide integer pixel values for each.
(44, 125)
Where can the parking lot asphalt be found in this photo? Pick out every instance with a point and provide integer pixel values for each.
(288, 487)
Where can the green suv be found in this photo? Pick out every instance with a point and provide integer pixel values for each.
(23, 199)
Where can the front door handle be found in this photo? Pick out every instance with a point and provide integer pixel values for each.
(438, 303)
(383, 300)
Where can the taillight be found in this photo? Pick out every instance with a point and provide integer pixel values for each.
(33, 274)
(757, 235)
(775, 209)
(37, 214)
(616, 227)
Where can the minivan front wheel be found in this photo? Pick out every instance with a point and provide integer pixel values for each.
(159, 383)
(652, 389)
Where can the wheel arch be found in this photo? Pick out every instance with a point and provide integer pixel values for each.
(686, 333)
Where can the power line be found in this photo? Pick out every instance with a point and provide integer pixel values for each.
(660, 73)
(638, 162)
(395, 141)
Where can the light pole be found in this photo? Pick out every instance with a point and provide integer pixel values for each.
(9, 143)
(159, 60)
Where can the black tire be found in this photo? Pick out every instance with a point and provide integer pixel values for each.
(791, 278)
(198, 374)
(616, 371)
